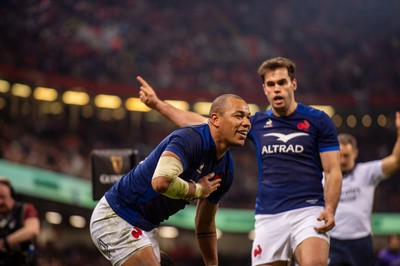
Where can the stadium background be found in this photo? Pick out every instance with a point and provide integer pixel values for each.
(348, 58)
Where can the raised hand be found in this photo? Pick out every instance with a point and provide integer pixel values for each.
(147, 94)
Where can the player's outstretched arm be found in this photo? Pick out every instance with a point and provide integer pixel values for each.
(391, 163)
(177, 116)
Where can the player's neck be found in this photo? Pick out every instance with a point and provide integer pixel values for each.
(285, 112)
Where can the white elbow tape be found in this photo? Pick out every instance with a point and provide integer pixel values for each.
(171, 167)
(168, 166)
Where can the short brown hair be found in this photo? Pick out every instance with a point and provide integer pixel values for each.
(347, 139)
(275, 63)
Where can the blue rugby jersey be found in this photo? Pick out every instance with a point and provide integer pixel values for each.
(290, 169)
(133, 197)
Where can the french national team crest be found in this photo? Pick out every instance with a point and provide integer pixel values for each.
(305, 125)
(257, 251)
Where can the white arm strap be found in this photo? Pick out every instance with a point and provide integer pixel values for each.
(171, 167)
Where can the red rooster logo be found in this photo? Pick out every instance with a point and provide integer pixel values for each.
(257, 251)
(303, 125)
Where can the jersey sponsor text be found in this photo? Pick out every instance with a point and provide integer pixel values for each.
(268, 149)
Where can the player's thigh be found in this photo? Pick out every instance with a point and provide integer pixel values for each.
(119, 241)
(312, 251)
(271, 243)
(310, 247)
(143, 257)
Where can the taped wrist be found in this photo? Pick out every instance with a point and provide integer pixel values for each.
(171, 167)
(199, 191)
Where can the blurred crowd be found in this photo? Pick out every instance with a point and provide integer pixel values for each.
(207, 45)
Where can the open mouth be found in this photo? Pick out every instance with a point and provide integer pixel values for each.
(243, 134)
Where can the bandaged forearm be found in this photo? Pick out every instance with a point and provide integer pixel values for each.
(171, 167)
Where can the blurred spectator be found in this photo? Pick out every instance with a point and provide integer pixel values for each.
(19, 227)
(390, 255)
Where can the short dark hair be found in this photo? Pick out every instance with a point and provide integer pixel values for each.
(219, 105)
(7, 183)
(275, 63)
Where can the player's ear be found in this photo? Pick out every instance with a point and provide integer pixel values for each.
(214, 119)
(355, 153)
(294, 82)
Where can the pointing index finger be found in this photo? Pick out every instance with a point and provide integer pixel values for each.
(142, 81)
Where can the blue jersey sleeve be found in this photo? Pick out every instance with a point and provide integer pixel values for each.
(327, 140)
(187, 144)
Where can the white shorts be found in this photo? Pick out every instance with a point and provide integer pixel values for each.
(278, 235)
(117, 239)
